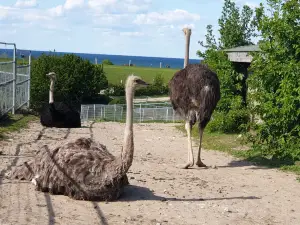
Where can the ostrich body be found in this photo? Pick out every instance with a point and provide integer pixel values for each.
(194, 94)
(59, 114)
(84, 169)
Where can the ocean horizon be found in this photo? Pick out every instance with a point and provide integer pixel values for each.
(141, 61)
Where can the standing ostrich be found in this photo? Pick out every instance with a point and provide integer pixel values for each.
(84, 169)
(59, 114)
(194, 94)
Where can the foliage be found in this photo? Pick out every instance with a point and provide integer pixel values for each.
(76, 79)
(236, 28)
(276, 80)
(107, 62)
(10, 123)
(158, 87)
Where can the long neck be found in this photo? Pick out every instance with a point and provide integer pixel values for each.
(128, 146)
(187, 49)
(51, 99)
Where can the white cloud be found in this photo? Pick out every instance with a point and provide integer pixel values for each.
(127, 6)
(70, 4)
(168, 17)
(252, 5)
(25, 3)
(132, 34)
(56, 11)
(4, 12)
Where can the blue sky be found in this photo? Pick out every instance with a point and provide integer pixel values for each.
(121, 27)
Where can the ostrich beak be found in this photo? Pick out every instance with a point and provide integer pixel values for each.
(141, 82)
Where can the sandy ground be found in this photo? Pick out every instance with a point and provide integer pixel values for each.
(235, 192)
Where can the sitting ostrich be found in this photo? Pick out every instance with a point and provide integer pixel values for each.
(59, 114)
(194, 94)
(84, 169)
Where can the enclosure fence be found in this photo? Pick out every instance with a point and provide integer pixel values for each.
(142, 112)
(14, 82)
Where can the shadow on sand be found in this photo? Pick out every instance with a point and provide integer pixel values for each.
(137, 193)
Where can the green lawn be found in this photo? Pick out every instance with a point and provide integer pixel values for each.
(115, 74)
(12, 123)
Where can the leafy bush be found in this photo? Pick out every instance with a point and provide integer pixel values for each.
(76, 79)
(107, 62)
(230, 121)
(156, 88)
(119, 100)
(231, 113)
(276, 80)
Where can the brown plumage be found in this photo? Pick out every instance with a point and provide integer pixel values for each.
(84, 169)
(194, 94)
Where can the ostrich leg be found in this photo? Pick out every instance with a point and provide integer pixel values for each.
(199, 163)
(190, 162)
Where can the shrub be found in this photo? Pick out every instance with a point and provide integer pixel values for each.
(156, 88)
(231, 121)
(107, 62)
(76, 79)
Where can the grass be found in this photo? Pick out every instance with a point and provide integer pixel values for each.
(115, 74)
(12, 123)
(229, 143)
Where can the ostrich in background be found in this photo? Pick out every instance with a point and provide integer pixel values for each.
(84, 169)
(59, 114)
(194, 94)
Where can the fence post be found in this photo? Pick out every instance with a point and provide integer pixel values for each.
(29, 79)
(115, 112)
(14, 78)
(121, 113)
(87, 113)
(94, 111)
(167, 114)
(173, 116)
(140, 112)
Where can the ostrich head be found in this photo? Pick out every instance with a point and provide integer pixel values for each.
(51, 75)
(134, 82)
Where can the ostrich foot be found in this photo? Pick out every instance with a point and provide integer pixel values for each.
(185, 166)
(200, 164)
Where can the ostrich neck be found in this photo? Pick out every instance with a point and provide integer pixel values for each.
(51, 98)
(187, 49)
(128, 146)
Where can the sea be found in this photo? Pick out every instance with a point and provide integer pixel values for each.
(141, 61)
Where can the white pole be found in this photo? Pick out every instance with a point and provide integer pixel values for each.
(140, 112)
(94, 111)
(29, 74)
(14, 78)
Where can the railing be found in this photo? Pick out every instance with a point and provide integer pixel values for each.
(142, 112)
(14, 83)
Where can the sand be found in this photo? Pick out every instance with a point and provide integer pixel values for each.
(233, 192)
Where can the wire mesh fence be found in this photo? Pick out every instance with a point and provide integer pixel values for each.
(14, 82)
(142, 112)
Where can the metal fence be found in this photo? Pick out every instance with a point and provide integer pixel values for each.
(142, 112)
(14, 82)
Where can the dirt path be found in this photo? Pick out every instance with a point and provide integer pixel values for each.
(233, 193)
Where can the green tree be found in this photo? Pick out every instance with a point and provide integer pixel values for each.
(276, 79)
(77, 79)
(235, 28)
(107, 62)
